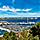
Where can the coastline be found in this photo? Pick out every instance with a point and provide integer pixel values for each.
(5, 29)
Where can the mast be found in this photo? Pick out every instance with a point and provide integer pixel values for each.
(27, 19)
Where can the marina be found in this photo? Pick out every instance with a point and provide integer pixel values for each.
(16, 25)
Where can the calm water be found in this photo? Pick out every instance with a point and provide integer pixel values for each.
(2, 32)
(33, 20)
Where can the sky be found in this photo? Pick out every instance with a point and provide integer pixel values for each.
(19, 8)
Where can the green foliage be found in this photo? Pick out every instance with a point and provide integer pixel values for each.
(38, 25)
(36, 30)
(9, 36)
(6, 35)
(25, 35)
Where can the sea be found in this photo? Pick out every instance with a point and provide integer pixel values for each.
(33, 20)
(2, 32)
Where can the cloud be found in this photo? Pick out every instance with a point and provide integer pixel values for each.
(6, 8)
(5, 14)
(26, 10)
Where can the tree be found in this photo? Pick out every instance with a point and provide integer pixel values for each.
(6, 35)
(36, 30)
(25, 35)
(10, 36)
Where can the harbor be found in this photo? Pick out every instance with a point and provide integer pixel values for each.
(17, 25)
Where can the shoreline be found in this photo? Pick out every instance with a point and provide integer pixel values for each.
(5, 29)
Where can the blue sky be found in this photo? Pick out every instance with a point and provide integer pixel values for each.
(19, 8)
